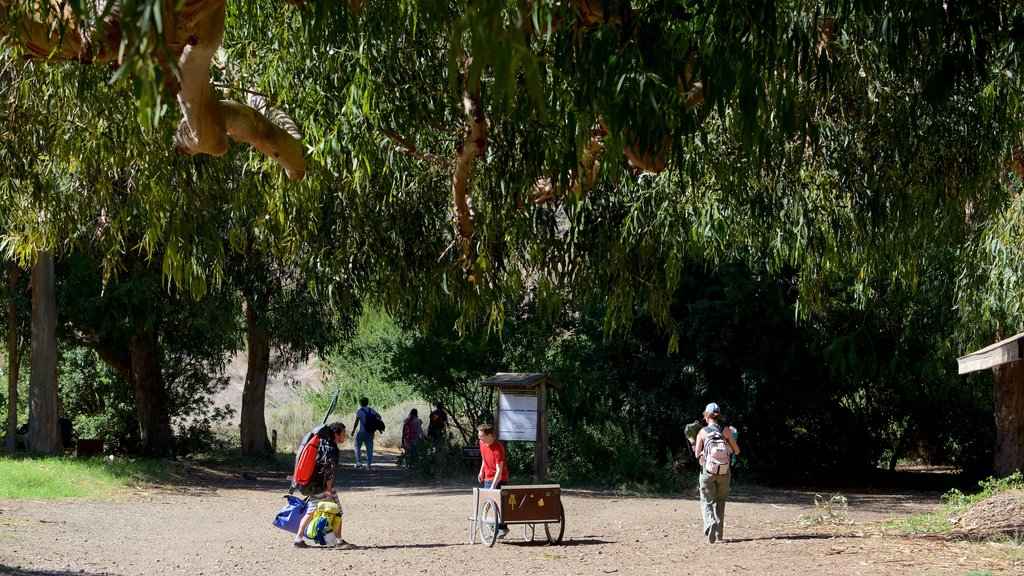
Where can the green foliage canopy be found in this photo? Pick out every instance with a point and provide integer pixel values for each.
(831, 138)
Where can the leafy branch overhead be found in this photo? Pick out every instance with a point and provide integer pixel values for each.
(582, 148)
(182, 41)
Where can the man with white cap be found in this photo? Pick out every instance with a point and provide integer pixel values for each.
(714, 446)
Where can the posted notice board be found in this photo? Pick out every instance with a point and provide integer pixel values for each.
(517, 416)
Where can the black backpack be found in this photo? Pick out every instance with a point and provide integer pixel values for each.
(438, 422)
(374, 423)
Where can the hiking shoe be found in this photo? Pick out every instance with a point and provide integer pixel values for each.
(345, 545)
(300, 544)
(712, 532)
(502, 532)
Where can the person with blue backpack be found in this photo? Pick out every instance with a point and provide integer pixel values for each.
(713, 449)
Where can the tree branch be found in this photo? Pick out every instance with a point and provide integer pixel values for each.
(544, 190)
(406, 147)
(473, 145)
(202, 130)
(208, 121)
(247, 124)
(193, 39)
(56, 35)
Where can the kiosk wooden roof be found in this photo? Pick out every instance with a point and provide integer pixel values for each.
(520, 380)
(999, 353)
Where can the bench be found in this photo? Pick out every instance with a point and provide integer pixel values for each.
(88, 447)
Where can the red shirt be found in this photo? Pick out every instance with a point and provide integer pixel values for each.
(492, 456)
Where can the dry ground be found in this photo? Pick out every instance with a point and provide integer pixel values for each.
(219, 523)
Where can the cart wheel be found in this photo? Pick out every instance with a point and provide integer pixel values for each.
(528, 530)
(555, 531)
(488, 523)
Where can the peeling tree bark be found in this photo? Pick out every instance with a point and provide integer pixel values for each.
(193, 40)
(582, 179)
(473, 145)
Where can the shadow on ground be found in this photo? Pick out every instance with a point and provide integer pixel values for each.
(18, 571)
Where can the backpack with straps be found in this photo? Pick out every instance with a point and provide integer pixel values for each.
(325, 525)
(373, 422)
(715, 455)
(408, 431)
(438, 422)
(315, 454)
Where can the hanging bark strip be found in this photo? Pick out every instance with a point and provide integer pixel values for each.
(473, 145)
(208, 121)
(545, 189)
(192, 40)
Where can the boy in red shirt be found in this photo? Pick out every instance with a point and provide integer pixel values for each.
(493, 471)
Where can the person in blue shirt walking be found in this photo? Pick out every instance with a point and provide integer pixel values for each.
(364, 435)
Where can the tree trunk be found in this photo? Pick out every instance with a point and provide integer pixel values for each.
(43, 432)
(253, 421)
(150, 395)
(1009, 401)
(13, 359)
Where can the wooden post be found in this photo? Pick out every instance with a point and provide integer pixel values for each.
(540, 447)
(497, 415)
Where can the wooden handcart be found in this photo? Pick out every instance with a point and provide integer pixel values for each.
(528, 505)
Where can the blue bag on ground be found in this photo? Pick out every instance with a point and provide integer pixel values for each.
(288, 518)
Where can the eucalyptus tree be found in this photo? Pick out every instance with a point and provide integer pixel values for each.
(19, 138)
(140, 206)
(92, 181)
(283, 312)
(16, 339)
(991, 304)
(513, 112)
(587, 147)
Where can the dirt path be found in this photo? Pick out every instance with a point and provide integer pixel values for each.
(220, 524)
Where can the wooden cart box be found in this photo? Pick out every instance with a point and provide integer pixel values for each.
(530, 503)
(527, 505)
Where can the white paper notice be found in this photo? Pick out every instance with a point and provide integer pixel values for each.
(517, 417)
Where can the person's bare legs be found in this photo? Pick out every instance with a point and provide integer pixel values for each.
(300, 535)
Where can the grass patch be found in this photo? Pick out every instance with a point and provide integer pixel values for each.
(957, 504)
(54, 478)
(936, 523)
(957, 501)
